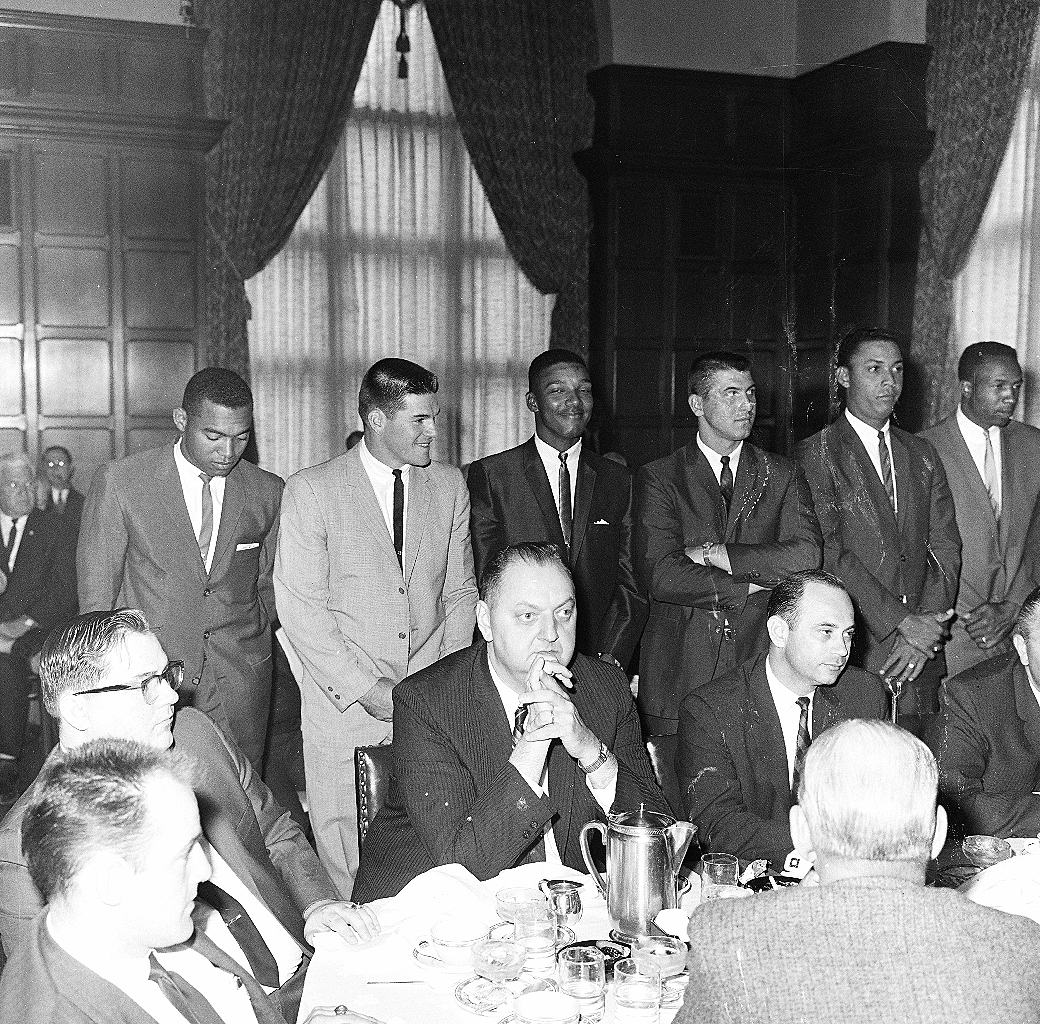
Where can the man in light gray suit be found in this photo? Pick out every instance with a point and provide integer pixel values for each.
(373, 581)
(870, 942)
(993, 466)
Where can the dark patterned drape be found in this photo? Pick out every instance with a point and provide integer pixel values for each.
(516, 74)
(980, 52)
(282, 74)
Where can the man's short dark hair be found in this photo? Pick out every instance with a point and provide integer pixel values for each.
(707, 364)
(58, 448)
(787, 594)
(1028, 615)
(221, 386)
(75, 656)
(976, 356)
(547, 360)
(540, 553)
(89, 799)
(858, 336)
(388, 381)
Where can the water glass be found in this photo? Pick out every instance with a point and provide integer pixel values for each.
(583, 975)
(535, 930)
(717, 870)
(637, 992)
(498, 959)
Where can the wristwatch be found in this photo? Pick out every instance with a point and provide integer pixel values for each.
(600, 761)
(706, 551)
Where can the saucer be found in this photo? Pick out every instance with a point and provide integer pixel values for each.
(481, 996)
(425, 955)
(504, 930)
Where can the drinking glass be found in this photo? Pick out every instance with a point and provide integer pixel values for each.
(637, 992)
(583, 975)
(498, 960)
(535, 929)
(507, 900)
(717, 870)
(545, 1008)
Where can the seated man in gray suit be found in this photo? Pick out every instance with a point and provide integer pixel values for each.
(743, 736)
(503, 751)
(105, 675)
(993, 466)
(870, 942)
(988, 741)
(114, 842)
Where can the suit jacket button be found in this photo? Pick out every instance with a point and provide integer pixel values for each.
(523, 835)
(205, 636)
(902, 558)
(534, 824)
(400, 590)
(402, 636)
(207, 592)
(336, 695)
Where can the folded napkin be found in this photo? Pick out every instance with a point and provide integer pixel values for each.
(1012, 886)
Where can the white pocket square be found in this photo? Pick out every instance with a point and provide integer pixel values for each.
(601, 522)
(248, 547)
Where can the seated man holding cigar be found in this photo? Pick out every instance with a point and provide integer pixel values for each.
(504, 750)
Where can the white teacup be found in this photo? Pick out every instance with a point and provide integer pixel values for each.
(452, 939)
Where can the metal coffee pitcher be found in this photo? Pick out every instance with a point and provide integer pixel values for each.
(644, 852)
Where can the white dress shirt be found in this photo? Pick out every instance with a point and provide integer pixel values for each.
(381, 477)
(715, 460)
(790, 713)
(283, 946)
(6, 525)
(869, 436)
(975, 438)
(59, 497)
(191, 485)
(603, 795)
(551, 461)
(225, 993)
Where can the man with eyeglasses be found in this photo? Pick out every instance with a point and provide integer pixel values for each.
(105, 675)
(39, 564)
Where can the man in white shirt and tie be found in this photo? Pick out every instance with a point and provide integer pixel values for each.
(993, 465)
(62, 498)
(889, 531)
(373, 581)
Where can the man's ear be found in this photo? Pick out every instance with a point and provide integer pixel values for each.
(942, 824)
(696, 404)
(1020, 646)
(72, 713)
(484, 620)
(801, 836)
(532, 401)
(180, 420)
(375, 421)
(778, 630)
(109, 875)
(841, 375)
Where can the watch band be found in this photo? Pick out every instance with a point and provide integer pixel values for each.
(600, 761)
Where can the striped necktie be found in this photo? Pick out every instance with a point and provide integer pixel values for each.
(886, 468)
(801, 744)
(989, 465)
(206, 526)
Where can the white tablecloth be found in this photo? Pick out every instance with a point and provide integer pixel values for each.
(357, 976)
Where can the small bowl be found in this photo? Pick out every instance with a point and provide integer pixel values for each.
(452, 940)
(612, 952)
(508, 900)
(546, 1008)
(985, 851)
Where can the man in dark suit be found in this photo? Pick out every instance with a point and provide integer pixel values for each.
(39, 563)
(518, 495)
(718, 523)
(993, 467)
(114, 844)
(870, 942)
(744, 735)
(503, 751)
(889, 525)
(62, 498)
(988, 740)
(105, 675)
(187, 533)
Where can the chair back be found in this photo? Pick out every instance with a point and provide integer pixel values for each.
(374, 766)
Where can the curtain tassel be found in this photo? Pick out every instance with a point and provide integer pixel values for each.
(404, 47)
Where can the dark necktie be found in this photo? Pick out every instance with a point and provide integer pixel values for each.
(399, 517)
(566, 516)
(187, 1000)
(801, 744)
(886, 468)
(9, 546)
(518, 722)
(262, 964)
(726, 481)
(206, 526)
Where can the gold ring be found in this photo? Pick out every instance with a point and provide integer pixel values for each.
(341, 1011)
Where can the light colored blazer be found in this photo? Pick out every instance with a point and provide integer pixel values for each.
(995, 564)
(348, 609)
(137, 548)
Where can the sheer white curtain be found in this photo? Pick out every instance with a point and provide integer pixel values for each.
(997, 295)
(397, 253)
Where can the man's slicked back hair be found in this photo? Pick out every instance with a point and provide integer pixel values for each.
(387, 382)
(531, 552)
(547, 360)
(75, 656)
(92, 799)
(976, 356)
(221, 386)
(787, 594)
(704, 368)
(857, 336)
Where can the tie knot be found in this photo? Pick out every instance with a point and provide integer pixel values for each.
(397, 474)
(881, 436)
(563, 458)
(205, 479)
(724, 459)
(803, 703)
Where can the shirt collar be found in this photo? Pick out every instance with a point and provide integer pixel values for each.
(969, 428)
(509, 697)
(190, 473)
(113, 969)
(865, 430)
(715, 459)
(783, 697)
(7, 520)
(376, 468)
(550, 455)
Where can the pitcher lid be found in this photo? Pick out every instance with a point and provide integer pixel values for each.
(641, 821)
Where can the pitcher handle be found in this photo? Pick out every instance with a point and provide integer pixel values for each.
(583, 842)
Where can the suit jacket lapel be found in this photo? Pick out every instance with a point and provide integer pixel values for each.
(176, 525)
(497, 741)
(699, 475)
(745, 488)
(764, 738)
(906, 489)
(826, 710)
(230, 515)
(535, 473)
(368, 510)
(418, 510)
(868, 475)
(582, 505)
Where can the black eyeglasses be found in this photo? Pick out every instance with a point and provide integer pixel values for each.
(172, 676)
